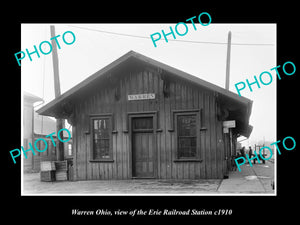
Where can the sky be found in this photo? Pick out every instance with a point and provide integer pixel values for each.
(93, 49)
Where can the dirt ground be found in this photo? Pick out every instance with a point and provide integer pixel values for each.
(33, 185)
(251, 180)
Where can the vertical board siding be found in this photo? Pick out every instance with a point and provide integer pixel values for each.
(170, 139)
(182, 96)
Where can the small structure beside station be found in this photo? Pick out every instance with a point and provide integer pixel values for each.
(34, 127)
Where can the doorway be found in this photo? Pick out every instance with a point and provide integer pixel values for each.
(143, 147)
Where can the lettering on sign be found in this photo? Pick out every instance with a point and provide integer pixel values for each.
(229, 123)
(141, 97)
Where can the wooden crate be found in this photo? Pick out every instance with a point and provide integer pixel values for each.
(47, 175)
(61, 165)
(61, 175)
(47, 166)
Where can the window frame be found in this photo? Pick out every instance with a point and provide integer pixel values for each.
(110, 132)
(196, 114)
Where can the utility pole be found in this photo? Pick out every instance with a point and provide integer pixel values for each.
(59, 122)
(228, 61)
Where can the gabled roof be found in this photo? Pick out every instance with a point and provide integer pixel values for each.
(225, 95)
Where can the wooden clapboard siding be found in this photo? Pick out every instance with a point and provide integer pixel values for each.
(183, 96)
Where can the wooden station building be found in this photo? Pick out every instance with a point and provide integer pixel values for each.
(140, 118)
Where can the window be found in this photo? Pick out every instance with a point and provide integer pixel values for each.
(186, 125)
(142, 123)
(69, 149)
(101, 135)
(186, 136)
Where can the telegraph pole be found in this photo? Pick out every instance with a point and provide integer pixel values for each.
(59, 122)
(228, 61)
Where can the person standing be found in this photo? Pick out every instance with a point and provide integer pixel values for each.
(243, 152)
(250, 152)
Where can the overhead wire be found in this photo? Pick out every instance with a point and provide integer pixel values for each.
(188, 41)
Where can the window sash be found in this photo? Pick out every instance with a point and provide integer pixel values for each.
(101, 138)
(187, 135)
(142, 123)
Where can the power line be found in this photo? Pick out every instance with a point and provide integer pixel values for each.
(109, 32)
(188, 41)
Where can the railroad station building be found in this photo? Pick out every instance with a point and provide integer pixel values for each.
(140, 118)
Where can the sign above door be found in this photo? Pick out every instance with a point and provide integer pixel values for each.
(141, 96)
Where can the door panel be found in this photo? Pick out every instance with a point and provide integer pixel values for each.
(143, 147)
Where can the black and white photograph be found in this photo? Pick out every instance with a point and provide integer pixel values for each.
(138, 114)
(173, 116)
